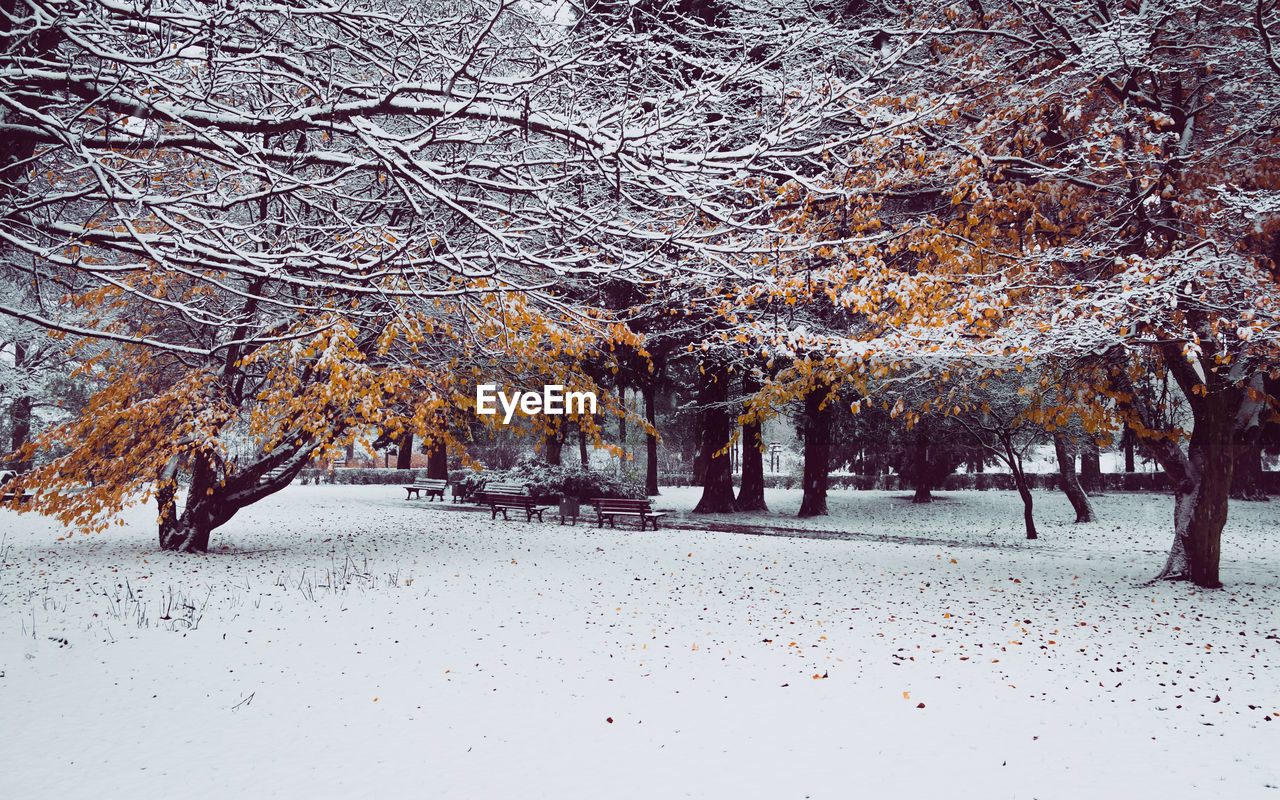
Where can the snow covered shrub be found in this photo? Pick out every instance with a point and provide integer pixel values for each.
(546, 480)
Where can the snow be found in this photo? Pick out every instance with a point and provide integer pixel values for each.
(344, 642)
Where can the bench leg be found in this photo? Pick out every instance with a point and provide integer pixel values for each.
(408, 494)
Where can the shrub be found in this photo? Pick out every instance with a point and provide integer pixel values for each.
(361, 476)
(545, 480)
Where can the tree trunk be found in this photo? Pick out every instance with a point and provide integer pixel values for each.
(552, 442)
(20, 425)
(404, 457)
(920, 458)
(751, 493)
(19, 416)
(650, 443)
(817, 449)
(189, 531)
(1201, 488)
(1246, 479)
(1201, 476)
(583, 456)
(1024, 490)
(1091, 465)
(1129, 440)
(622, 426)
(1066, 453)
(1199, 515)
(717, 429)
(437, 458)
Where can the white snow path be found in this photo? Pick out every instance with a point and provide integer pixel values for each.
(349, 643)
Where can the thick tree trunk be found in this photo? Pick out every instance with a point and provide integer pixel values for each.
(213, 497)
(437, 458)
(1091, 465)
(751, 492)
(717, 429)
(920, 459)
(404, 457)
(1201, 492)
(1066, 453)
(650, 443)
(817, 449)
(1201, 476)
(189, 531)
(552, 443)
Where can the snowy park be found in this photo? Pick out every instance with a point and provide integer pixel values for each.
(663, 398)
(346, 642)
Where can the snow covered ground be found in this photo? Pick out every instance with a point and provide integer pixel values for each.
(344, 642)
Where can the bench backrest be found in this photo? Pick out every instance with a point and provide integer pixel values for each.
(620, 504)
(433, 483)
(506, 498)
(504, 488)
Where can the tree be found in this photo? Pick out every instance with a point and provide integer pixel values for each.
(286, 223)
(751, 490)
(1077, 186)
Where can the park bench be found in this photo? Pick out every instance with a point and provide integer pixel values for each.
(610, 507)
(504, 501)
(431, 487)
(498, 487)
(7, 495)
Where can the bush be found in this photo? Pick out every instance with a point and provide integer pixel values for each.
(361, 476)
(545, 480)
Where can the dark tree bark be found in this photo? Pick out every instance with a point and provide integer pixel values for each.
(1128, 440)
(751, 493)
(650, 443)
(1246, 480)
(19, 417)
(921, 470)
(622, 424)
(552, 443)
(1201, 475)
(1020, 482)
(437, 458)
(816, 429)
(404, 456)
(1091, 465)
(717, 429)
(213, 498)
(20, 424)
(583, 456)
(1065, 450)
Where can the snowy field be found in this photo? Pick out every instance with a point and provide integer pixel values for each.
(345, 643)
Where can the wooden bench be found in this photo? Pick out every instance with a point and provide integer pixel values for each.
(432, 487)
(497, 487)
(6, 495)
(503, 501)
(610, 507)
